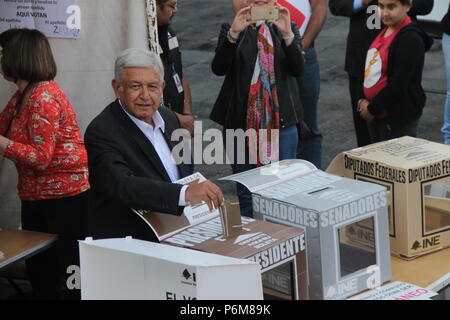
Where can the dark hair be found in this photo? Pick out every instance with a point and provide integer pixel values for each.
(26, 55)
(6, 36)
(161, 2)
(406, 2)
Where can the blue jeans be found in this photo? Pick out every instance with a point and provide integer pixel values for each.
(309, 88)
(446, 48)
(288, 143)
(287, 150)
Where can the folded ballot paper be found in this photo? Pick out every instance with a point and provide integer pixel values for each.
(230, 216)
(165, 225)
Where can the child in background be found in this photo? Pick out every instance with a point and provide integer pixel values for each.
(393, 94)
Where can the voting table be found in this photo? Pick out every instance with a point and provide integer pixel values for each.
(417, 279)
(431, 271)
(17, 245)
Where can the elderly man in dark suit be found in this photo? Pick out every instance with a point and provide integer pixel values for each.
(360, 36)
(129, 152)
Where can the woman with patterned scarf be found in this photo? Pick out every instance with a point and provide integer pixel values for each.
(260, 60)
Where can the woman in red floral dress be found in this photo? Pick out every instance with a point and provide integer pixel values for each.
(39, 133)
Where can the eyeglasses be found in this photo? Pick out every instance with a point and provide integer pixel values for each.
(136, 86)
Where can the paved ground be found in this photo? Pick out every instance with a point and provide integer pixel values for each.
(198, 24)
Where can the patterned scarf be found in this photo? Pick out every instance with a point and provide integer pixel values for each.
(263, 109)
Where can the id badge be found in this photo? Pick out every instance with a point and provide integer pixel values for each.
(173, 43)
(178, 83)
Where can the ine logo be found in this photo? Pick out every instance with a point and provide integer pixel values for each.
(190, 278)
(186, 274)
(426, 243)
(416, 245)
(351, 230)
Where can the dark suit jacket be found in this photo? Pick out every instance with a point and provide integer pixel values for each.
(359, 36)
(125, 172)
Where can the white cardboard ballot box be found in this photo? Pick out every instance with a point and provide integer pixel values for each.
(127, 268)
(416, 173)
(333, 211)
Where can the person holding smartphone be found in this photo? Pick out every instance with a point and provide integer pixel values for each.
(260, 60)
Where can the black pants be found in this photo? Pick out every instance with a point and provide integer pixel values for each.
(361, 130)
(65, 217)
(381, 130)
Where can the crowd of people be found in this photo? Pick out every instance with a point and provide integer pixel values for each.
(77, 188)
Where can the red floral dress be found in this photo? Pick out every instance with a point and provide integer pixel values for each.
(46, 147)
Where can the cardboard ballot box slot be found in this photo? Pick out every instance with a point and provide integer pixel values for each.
(278, 249)
(319, 190)
(345, 222)
(416, 173)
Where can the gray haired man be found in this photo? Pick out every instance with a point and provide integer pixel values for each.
(129, 152)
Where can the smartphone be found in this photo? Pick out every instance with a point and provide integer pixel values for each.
(264, 13)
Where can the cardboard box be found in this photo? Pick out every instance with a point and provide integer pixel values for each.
(328, 208)
(134, 269)
(416, 173)
(279, 250)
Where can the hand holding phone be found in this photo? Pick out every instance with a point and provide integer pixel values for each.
(264, 13)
